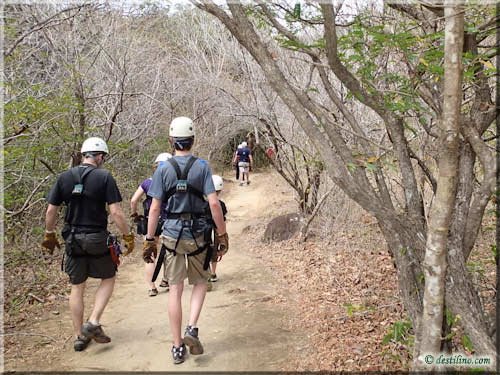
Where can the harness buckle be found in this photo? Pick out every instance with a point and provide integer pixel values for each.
(186, 217)
(182, 186)
(187, 223)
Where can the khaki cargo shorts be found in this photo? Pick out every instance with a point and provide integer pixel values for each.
(180, 266)
(244, 166)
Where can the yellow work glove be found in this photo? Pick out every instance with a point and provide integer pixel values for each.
(223, 245)
(50, 242)
(129, 240)
(149, 250)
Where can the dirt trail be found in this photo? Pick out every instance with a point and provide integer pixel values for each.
(240, 328)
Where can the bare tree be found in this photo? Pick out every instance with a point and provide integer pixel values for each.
(345, 59)
(429, 329)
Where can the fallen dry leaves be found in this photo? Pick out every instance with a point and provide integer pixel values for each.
(344, 294)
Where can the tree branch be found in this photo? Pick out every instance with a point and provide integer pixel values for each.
(43, 24)
(320, 203)
(27, 204)
(480, 197)
(425, 169)
(394, 124)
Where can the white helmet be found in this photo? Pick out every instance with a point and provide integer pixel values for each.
(243, 144)
(181, 127)
(94, 144)
(218, 182)
(164, 156)
(240, 146)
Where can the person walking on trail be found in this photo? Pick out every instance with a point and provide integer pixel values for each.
(219, 185)
(142, 220)
(245, 162)
(185, 182)
(235, 162)
(85, 190)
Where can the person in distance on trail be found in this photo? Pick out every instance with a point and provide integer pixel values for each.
(185, 183)
(219, 185)
(142, 221)
(85, 190)
(235, 162)
(245, 162)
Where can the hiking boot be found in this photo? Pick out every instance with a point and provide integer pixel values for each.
(178, 353)
(94, 331)
(81, 343)
(192, 340)
(153, 292)
(213, 278)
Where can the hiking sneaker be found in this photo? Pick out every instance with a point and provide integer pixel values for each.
(213, 278)
(178, 353)
(192, 340)
(210, 286)
(94, 331)
(164, 284)
(81, 343)
(153, 292)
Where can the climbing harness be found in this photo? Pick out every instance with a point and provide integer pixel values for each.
(187, 218)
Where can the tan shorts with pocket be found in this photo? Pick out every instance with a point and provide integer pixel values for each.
(180, 266)
(244, 166)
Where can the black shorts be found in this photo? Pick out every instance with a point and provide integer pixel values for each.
(87, 255)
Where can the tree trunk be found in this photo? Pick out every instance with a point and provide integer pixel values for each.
(461, 296)
(403, 247)
(463, 301)
(435, 262)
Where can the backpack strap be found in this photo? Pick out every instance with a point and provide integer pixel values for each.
(179, 174)
(177, 168)
(75, 201)
(77, 177)
(188, 166)
(183, 176)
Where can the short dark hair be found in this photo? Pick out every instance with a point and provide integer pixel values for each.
(183, 144)
(92, 154)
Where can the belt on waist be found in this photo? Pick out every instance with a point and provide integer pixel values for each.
(187, 216)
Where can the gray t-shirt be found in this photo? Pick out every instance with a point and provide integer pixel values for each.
(199, 177)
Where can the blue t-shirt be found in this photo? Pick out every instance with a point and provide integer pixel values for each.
(199, 177)
(244, 154)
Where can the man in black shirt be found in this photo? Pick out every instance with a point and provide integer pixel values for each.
(85, 190)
